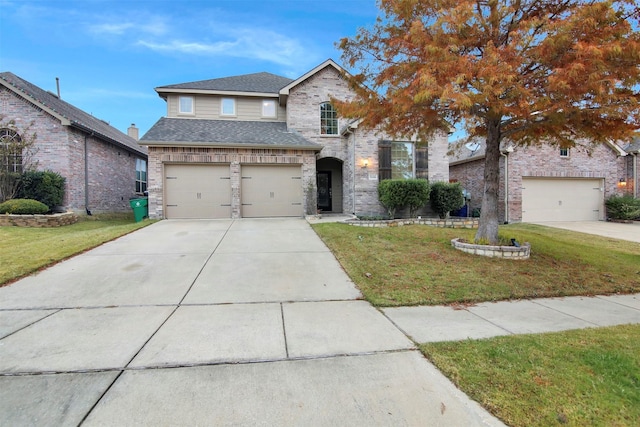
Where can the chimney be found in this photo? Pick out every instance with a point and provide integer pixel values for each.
(133, 131)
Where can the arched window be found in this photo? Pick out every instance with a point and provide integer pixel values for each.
(328, 119)
(10, 151)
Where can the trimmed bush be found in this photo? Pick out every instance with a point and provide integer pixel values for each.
(446, 197)
(416, 195)
(623, 208)
(391, 193)
(44, 186)
(23, 207)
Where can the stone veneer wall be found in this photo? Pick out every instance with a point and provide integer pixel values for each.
(61, 149)
(234, 157)
(38, 221)
(434, 222)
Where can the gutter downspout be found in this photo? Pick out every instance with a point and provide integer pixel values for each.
(505, 154)
(635, 175)
(353, 211)
(86, 173)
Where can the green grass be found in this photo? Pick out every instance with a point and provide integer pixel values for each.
(26, 250)
(587, 377)
(413, 265)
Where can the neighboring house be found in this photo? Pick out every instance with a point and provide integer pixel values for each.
(544, 183)
(103, 167)
(262, 145)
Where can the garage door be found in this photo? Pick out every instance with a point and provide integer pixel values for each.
(197, 191)
(563, 199)
(270, 191)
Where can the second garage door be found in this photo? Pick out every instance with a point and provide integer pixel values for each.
(271, 191)
(565, 199)
(197, 191)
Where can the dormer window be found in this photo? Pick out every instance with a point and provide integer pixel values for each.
(328, 119)
(268, 108)
(564, 152)
(185, 105)
(228, 107)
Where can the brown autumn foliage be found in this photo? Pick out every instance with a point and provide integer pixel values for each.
(532, 71)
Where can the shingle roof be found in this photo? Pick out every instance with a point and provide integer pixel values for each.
(179, 131)
(76, 116)
(257, 82)
(634, 146)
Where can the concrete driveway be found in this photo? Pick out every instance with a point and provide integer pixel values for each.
(615, 230)
(245, 322)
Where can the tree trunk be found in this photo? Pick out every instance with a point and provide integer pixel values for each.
(488, 227)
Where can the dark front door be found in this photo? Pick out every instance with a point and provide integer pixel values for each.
(324, 191)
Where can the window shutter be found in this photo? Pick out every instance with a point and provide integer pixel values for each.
(422, 163)
(384, 160)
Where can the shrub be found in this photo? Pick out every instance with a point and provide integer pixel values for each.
(23, 207)
(44, 186)
(416, 195)
(391, 193)
(446, 197)
(623, 207)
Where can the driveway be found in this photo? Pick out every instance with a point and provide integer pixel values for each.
(615, 230)
(228, 322)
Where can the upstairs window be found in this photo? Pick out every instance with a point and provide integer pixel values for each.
(185, 105)
(141, 176)
(228, 107)
(564, 152)
(328, 119)
(10, 151)
(268, 108)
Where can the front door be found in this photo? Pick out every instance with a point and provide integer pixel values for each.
(324, 191)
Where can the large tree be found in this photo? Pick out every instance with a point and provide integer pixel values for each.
(531, 71)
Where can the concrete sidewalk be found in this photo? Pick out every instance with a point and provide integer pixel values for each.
(246, 322)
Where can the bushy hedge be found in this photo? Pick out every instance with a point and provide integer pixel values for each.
(23, 207)
(446, 197)
(45, 186)
(623, 207)
(396, 194)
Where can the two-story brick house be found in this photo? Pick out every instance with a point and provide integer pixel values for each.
(262, 145)
(103, 167)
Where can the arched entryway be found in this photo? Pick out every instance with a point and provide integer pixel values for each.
(329, 182)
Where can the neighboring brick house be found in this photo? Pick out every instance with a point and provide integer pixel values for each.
(103, 167)
(262, 145)
(544, 183)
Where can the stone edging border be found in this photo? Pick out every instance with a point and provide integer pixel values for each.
(508, 252)
(434, 222)
(38, 221)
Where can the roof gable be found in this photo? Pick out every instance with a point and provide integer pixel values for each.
(328, 63)
(68, 114)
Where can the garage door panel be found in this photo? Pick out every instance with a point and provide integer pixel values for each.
(566, 199)
(197, 191)
(271, 191)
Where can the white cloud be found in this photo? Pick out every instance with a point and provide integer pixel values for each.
(115, 26)
(255, 44)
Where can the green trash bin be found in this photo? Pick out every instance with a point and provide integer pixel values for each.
(140, 208)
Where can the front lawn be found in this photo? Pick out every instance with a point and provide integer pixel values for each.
(412, 265)
(588, 377)
(26, 250)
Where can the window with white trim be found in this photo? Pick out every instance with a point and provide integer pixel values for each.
(10, 151)
(141, 176)
(268, 108)
(185, 105)
(328, 119)
(228, 107)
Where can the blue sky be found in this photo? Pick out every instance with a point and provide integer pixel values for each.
(110, 55)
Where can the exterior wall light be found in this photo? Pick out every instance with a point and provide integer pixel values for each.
(622, 183)
(365, 163)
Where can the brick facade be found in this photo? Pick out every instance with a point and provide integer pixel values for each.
(60, 148)
(585, 161)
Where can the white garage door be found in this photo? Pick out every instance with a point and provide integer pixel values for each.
(197, 191)
(562, 199)
(271, 191)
